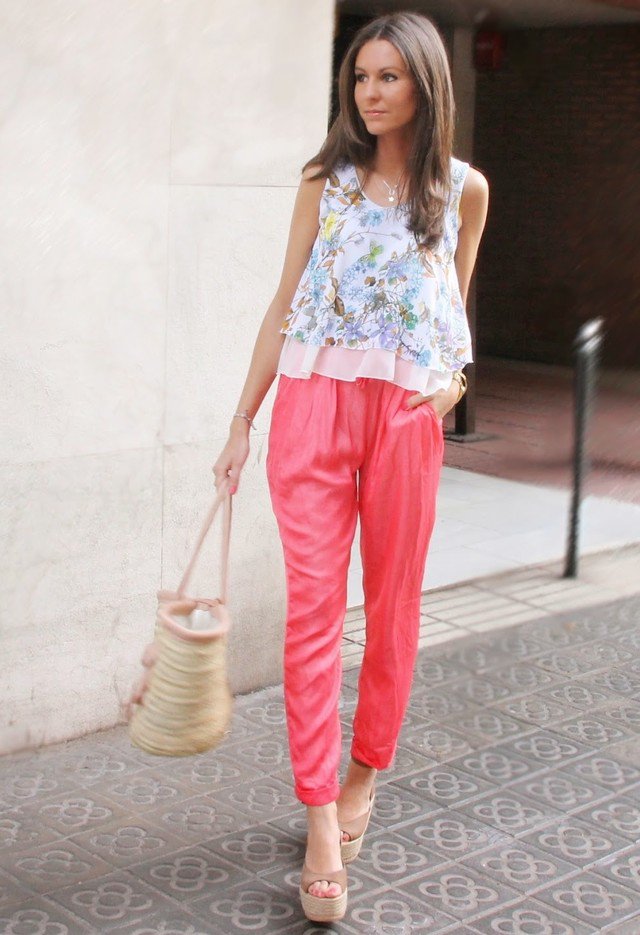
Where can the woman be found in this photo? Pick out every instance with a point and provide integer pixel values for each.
(368, 334)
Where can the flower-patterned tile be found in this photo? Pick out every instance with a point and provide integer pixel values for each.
(567, 663)
(620, 814)
(127, 840)
(389, 858)
(510, 812)
(442, 786)
(394, 807)
(50, 867)
(450, 833)
(27, 784)
(268, 713)
(626, 713)
(592, 899)
(614, 680)
(91, 764)
(562, 791)
(258, 849)
(605, 771)
(436, 669)
(489, 725)
(201, 775)
(172, 921)
(536, 710)
(117, 898)
(575, 841)
(578, 695)
(438, 704)
(140, 792)
(261, 800)
(478, 691)
(544, 748)
(199, 819)
(529, 916)
(622, 868)
(521, 678)
(256, 907)
(260, 755)
(193, 872)
(39, 914)
(460, 892)
(20, 829)
(499, 766)
(391, 911)
(75, 811)
(438, 742)
(594, 730)
(523, 867)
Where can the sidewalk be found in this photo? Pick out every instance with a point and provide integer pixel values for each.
(513, 805)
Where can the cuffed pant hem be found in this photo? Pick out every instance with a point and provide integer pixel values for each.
(318, 796)
(376, 762)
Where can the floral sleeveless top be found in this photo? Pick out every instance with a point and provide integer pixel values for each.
(366, 284)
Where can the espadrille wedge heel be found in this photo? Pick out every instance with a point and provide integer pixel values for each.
(355, 829)
(323, 908)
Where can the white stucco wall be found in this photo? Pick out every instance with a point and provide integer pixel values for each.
(149, 159)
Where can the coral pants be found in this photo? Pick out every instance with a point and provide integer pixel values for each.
(337, 448)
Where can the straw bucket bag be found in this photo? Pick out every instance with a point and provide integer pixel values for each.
(182, 704)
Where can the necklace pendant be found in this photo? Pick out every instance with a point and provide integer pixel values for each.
(391, 198)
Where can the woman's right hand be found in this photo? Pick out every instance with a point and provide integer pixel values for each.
(232, 458)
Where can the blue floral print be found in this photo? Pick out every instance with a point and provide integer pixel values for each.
(366, 284)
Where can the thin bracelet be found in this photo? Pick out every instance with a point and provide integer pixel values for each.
(243, 415)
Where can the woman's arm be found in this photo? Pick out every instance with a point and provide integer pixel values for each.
(302, 234)
(474, 203)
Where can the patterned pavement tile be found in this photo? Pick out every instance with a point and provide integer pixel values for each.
(605, 771)
(530, 916)
(451, 833)
(193, 872)
(126, 841)
(489, 725)
(523, 867)
(592, 899)
(254, 907)
(113, 899)
(460, 892)
(167, 922)
(20, 829)
(576, 841)
(623, 868)
(39, 914)
(78, 810)
(442, 785)
(258, 849)
(510, 812)
(199, 819)
(562, 791)
(261, 800)
(620, 814)
(51, 866)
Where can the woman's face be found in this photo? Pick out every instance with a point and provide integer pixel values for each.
(385, 91)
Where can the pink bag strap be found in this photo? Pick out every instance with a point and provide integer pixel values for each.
(222, 496)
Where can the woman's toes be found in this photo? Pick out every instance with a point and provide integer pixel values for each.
(324, 888)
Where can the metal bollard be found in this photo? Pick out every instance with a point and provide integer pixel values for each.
(586, 348)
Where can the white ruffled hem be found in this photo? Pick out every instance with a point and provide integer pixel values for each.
(298, 359)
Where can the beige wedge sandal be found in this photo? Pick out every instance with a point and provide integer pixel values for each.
(323, 908)
(355, 829)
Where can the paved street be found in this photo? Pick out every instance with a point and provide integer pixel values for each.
(513, 805)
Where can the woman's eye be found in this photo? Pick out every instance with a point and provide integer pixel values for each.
(393, 77)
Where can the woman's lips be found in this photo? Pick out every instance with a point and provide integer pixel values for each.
(374, 113)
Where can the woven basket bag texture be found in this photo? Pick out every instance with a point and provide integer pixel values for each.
(182, 704)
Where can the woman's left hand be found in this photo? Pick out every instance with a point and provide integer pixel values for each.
(441, 401)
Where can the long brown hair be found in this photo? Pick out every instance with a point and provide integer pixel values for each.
(420, 44)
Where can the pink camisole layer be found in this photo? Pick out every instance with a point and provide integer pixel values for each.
(298, 359)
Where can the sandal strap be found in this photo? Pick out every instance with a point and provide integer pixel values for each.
(357, 826)
(335, 876)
